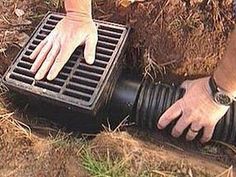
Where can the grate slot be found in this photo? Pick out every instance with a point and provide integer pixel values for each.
(117, 30)
(25, 65)
(47, 85)
(52, 22)
(109, 33)
(84, 81)
(21, 78)
(70, 64)
(58, 81)
(102, 57)
(55, 17)
(106, 45)
(100, 63)
(81, 88)
(74, 58)
(36, 42)
(91, 68)
(40, 37)
(28, 53)
(44, 32)
(66, 69)
(23, 71)
(77, 94)
(32, 47)
(72, 61)
(108, 39)
(104, 51)
(85, 74)
(48, 27)
(62, 76)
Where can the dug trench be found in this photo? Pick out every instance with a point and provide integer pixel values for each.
(172, 41)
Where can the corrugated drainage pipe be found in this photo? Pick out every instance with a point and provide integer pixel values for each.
(146, 101)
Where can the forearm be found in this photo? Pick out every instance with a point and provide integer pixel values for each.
(225, 74)
(83, 7)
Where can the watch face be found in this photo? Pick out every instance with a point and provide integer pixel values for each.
(223, 99)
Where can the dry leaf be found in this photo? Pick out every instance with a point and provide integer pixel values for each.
(19, 12)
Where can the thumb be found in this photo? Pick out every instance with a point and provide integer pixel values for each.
(90, 48)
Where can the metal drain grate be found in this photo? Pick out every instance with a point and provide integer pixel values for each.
(78, 86)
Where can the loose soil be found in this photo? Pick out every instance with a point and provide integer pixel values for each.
(171, 41)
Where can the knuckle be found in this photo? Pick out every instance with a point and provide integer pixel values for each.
(185, 120)
(51, 56)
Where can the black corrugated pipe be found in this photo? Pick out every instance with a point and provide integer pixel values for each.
(146, 101)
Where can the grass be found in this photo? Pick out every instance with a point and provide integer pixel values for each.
(103, 167)
(107, 167)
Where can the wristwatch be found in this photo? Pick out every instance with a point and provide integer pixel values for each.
(219, 96)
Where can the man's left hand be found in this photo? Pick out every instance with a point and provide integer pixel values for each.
(196, 110)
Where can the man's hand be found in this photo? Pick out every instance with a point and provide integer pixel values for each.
(55, 50)
(196, 109)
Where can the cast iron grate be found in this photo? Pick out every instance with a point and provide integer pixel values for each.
(79, 85)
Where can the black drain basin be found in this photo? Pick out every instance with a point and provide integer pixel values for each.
(79, 86)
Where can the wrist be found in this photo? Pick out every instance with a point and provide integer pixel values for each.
(79, 8)
(219, 96)
(78, 16)
(225, 83)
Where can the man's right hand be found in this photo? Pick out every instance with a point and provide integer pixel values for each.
(55, 50)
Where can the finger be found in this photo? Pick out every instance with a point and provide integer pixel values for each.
(172, 113)
(180, 126)
(48, 62)
(38, 49)
(90, 49)
(60, 61)
(63, 56)
(207, 134)
(193, 131)
(41, 57)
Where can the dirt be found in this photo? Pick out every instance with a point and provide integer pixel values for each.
(171, 41)
(141, 154)
(24, 154)
(172, 38)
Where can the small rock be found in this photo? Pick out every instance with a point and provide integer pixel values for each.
(19, 12)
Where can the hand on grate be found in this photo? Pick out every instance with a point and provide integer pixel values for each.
(55, 50)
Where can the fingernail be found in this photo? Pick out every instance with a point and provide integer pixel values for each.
(50, 77)
(38, 77)
(159, 127)
(175, 135)
(90, 60)
(32, 70)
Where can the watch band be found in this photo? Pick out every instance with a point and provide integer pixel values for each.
(213, 86)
